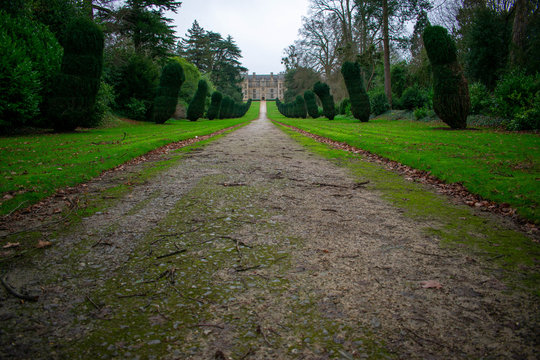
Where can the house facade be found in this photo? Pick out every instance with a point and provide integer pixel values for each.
(263, 87)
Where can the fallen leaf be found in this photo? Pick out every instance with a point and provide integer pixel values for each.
(431, 284)
(43, 243)
(11, 245)
(8, 197)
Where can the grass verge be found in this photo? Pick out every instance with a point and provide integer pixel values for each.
(35, 166)
(499, 166)
(511, 255)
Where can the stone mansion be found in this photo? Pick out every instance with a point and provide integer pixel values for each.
(263, 87)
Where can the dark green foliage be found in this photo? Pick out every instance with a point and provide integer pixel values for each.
(487, 46)
(379, 103)
(480, 98)
(166, 99)
(30, 58)
(216, 56)
(527, 118)
(450, 90)
(440, 47)
(136, 79)
(311, 104)
(352, 75)
(300, 107)
(515, 94)
(399, 79)
(75, 88)
(196, 106)
(323, 92)
(344, 107)
(231, 109)
(215, 105)
(412, 98)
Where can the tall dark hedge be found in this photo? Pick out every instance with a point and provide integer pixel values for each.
(215, 105)
(196, 106)
(323, 92)
(451, 100)
(352, 75)
(311, 104)
(73, 97)
(172, 78)
(300, 105)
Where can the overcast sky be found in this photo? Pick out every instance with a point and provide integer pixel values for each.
(261, 28)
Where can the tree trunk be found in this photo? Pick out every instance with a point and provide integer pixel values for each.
(519, 28)
(386, 45)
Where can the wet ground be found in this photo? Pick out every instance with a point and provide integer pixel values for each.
(255, 247)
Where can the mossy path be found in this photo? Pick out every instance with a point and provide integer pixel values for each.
(256, 247)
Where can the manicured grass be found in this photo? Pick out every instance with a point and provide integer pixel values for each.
(34, 166)
(499, 166)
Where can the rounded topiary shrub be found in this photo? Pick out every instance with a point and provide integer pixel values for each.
(345, 107)
(379, 103)
(412, 98)
(215, 105)
(352, 75)
(196, 106)
(166, 99)
(323, 92)
(75, 88)
(451, 100)
(311, 104)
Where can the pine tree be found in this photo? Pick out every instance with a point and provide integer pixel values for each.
(196, 106)
(166, 99)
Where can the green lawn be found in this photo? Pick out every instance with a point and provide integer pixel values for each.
(499, 166)
(34, 166)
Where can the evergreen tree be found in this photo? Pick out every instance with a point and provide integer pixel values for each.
(451, 100)
(215, 105)
(75, 89)
(166, 99)
(144, 22)
(196, 106)
(360, 106)
(323, 92)
(311, 104)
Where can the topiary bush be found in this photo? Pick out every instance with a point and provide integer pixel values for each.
(196, 106)
(451, 100)
(412, 98)
(30, 59)
(76, 86)
(215, 105)
(300, 105)
(311, 104)
(323, 92)
(360, 105)
(379, 103)
(166, 99)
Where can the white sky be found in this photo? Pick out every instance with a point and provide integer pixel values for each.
(261, 28)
